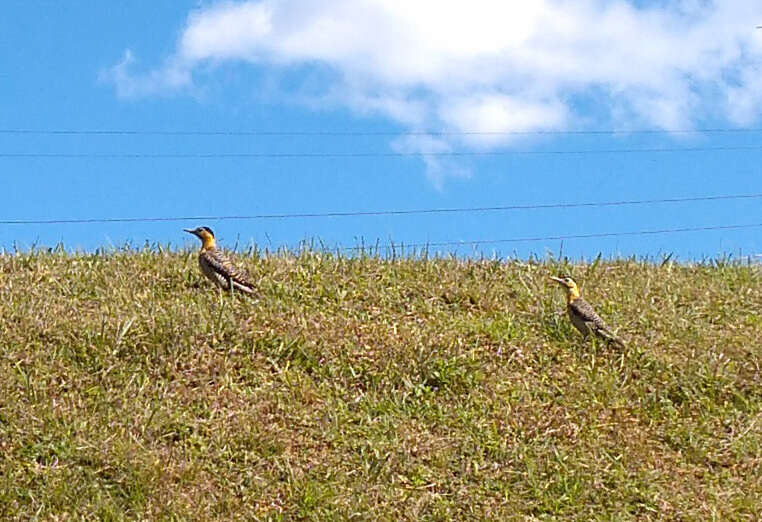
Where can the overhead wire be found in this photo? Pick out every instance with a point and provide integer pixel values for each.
(368, 154)
(351, 133)
(479, 242)
(393, 212)
(363, 154)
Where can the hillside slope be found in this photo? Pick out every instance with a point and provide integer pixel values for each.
(376, 389)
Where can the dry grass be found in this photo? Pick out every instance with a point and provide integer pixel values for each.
(376, 390)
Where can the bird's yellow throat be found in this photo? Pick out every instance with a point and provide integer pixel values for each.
(207, 241)
(572, 294)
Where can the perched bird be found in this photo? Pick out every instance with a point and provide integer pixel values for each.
(582, 315)
(216, 266)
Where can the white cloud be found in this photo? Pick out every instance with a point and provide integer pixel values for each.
(174, 75)
(226, 32)
(438, 167)
(495, 113)
(490, 65)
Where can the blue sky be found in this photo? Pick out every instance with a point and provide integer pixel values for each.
(494, 80)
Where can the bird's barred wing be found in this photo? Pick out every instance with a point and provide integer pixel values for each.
(225, 271)
(584, 311)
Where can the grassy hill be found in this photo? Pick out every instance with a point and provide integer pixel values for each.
(376, 389)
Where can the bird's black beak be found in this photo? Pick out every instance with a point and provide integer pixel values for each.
(190, 231)
(558, 280)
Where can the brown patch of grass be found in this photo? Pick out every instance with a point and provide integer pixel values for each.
(376, 389)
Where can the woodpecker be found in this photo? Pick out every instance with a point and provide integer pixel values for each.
(216, 266)
(582, 315)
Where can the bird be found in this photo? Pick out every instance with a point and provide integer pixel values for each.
(216, 266)
(582, 315)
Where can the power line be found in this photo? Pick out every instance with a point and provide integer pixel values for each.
(157, 132)
(564, 237)
(370, 154)
(336, 214)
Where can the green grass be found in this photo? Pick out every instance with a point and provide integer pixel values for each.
(373, 389)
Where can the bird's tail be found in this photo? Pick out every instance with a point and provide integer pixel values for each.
(611, 338)
(244, 289)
